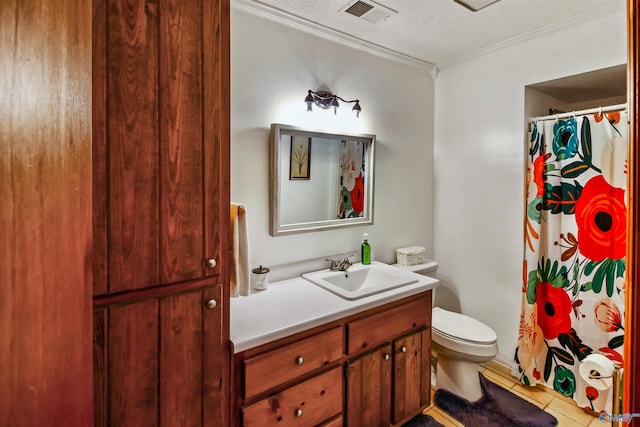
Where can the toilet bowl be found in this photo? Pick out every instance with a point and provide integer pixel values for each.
(460, 343)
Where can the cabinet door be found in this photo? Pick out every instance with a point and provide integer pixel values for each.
(149, 361)
(411, 374)
(161, 185)
(369, 389)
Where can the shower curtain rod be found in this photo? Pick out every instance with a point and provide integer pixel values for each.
(616, 107)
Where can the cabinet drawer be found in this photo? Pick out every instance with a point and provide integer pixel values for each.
(306, 404)
(269, 369)
(376, 328)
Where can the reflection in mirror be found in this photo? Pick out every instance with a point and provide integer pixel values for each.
(319, 180)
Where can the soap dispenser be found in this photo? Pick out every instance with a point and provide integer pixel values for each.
(365, 250)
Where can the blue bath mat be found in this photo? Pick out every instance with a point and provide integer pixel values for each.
(422, 420)
(496, 408)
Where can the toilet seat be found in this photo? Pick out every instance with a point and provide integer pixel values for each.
(458, 327)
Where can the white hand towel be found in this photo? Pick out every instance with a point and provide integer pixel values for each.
(239, 272)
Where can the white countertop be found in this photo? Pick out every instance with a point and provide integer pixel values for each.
(295, 305)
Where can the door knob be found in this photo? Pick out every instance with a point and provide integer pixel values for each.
(210, 263)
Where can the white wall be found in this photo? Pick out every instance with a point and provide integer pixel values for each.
(479, 169)
(272, 67)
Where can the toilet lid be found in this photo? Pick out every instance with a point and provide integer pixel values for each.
(461, 327)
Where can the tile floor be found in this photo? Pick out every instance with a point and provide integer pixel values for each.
(564, 409)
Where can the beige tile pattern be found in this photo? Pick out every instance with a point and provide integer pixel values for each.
(564, 409)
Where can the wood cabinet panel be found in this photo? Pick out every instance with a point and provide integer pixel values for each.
(368, 400)
(336, 422)
(132, 179)
(216, 133)
(369, 331)
(411, 374)
(132, 364)
(161, 142)
(316, 399)
(181, 359)
(180, 140)
(269, 369)
(152, 361)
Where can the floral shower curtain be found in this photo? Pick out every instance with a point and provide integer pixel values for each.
(575, 243)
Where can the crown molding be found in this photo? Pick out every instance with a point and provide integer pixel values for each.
(533, 34)
(270, 13)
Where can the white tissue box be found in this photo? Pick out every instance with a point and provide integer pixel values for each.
(410, 255)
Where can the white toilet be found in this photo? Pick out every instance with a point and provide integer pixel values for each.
(459, 343)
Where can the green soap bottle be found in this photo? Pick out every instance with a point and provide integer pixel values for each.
(365, 250)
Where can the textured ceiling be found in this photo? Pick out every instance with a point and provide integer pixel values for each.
(437, 31)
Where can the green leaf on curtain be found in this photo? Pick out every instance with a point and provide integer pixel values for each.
(563, 198)
(573, 170)
(621, 265)
(585, 139)
(550, 273)
(532, 283)
(573, 343)
(606, 272)
(610, 275)
(562, 355)
(591, 265)
(547, 365)
(616, 342)
(587, 287)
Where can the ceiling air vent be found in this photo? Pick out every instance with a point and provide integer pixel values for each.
(368, 10)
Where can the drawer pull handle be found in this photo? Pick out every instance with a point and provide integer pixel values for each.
(387, 357)
(211, 304)
(210, 263)
(299, 360)
(403, 349)
(298, 413)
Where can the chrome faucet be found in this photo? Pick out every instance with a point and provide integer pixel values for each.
(337, 265)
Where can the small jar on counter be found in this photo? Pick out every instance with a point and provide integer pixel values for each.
(260, 278)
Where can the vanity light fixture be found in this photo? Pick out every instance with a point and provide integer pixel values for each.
(325, 100)
(475, 5)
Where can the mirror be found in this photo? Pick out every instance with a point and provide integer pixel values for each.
(319, 180)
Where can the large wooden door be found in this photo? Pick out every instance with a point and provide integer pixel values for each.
(45, 213)
(631, 395)
(161, 211)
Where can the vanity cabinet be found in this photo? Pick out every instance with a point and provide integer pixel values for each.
(366, 370)
(368, 379)
(392, 383)
(160, 80)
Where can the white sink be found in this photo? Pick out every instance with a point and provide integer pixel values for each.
(361, 280)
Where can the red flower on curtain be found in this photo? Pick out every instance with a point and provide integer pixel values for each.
(357, 195)
(554, 309)
(614, 118)
(538, 173)
(601, 217)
